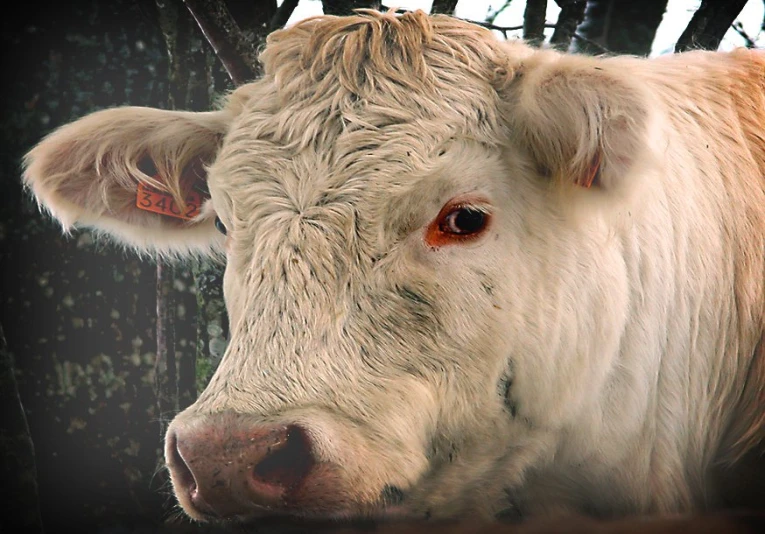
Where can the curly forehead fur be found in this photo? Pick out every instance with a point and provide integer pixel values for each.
(396, 69)
(373, 53)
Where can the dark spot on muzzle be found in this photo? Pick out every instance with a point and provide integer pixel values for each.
(504, 388)
(512, 512)
(392, 495)
(487, 287)
(288, 464)
(413, 296)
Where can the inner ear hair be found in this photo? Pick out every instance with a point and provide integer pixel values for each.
(580, 118)
(591, 176)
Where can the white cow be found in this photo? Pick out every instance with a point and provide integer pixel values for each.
(463, 276)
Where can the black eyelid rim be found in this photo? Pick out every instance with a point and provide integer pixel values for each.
(220, 226)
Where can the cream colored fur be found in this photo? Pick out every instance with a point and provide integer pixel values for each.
(623, 318)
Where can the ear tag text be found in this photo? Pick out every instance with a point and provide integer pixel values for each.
(163, 203)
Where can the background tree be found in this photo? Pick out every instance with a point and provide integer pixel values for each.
(620, 26)
(444, 6)
(709, 24)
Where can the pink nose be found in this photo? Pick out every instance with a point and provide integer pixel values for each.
(228, 467)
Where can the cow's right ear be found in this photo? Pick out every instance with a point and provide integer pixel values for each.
(584, 121)
(135, 174)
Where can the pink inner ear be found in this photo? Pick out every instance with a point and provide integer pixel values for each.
(146, 166)
(193, 177)
(591, 176)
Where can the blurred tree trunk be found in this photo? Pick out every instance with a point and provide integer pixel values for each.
(709, 24)
(236, 49)
(346, 7)
(20, 509)
(282, 14)
(444, 6)
(534, 21)
(571, 15)
(620, 26)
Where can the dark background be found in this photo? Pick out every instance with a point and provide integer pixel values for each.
(79, 316)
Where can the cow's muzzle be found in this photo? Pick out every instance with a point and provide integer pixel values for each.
(226, 466)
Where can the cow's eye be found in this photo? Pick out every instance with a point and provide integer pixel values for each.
(460, 220)
(463, 220)
(220, 226)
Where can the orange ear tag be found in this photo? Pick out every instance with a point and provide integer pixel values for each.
(156, 201)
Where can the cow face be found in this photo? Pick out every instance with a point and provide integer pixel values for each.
(417, 223)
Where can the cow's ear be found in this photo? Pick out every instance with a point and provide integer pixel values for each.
(135, 174)
(582, 120)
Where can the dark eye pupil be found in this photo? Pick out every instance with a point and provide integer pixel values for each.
(468, 221)
(220, 226)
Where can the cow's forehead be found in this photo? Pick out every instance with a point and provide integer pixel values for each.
(370, 171)
(321, 159)
(406, 59)
(361, 103)
(367, 168)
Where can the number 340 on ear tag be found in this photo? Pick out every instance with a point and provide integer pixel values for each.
(156, 201)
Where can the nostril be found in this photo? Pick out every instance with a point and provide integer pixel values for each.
(287, 463)
(178, 466)
(231, 467)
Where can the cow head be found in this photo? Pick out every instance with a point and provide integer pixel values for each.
(423, 284)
